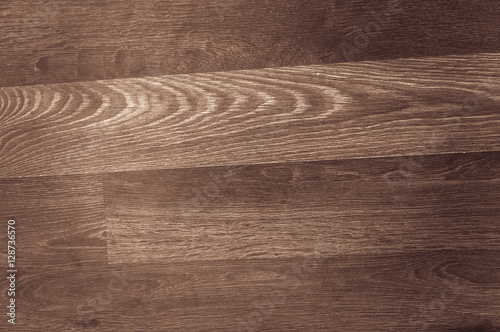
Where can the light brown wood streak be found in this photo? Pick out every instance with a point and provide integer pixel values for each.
(356, 110)
(60, 245)
(279, 211)
(53, 41)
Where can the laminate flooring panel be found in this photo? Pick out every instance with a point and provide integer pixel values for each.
(290, 114)
(57, 41)
(205, 166)
(437, 290)
(61, 254)
(279, 211)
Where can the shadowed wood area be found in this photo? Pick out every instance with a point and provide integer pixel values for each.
(60, 246)
(354, 245)
(356, 110)
(59, 41)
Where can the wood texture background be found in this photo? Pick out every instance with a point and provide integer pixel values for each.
(251, 165)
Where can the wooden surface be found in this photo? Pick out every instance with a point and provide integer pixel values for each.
(61, 247)
(366, 109)
(60, 40)
(339, 293)
(251, 165)
(346, 207)
(330, 246)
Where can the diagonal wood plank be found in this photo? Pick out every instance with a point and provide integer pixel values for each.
(356, 110)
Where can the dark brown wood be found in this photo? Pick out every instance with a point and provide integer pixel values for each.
(371, 245)
(55, 41)
(61, 254)
(438, 290)
(364, 245)
(57, 218)
(354, 206)
(356, 110)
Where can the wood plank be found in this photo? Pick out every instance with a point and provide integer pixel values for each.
(154, 187)
(356, 110)
(59, 41)
(72, 298)
(60, 220)
(438, 290)
(279, 211)
(60, 241)
(421, 291)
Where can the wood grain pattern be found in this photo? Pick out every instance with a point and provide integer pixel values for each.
(60, 299)
(384, 244)
(59, 41)
(60, 220)
(245, 165)
(60, 246)
(437, 290)
(328, 246)
(357, 110)
(279, 211)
